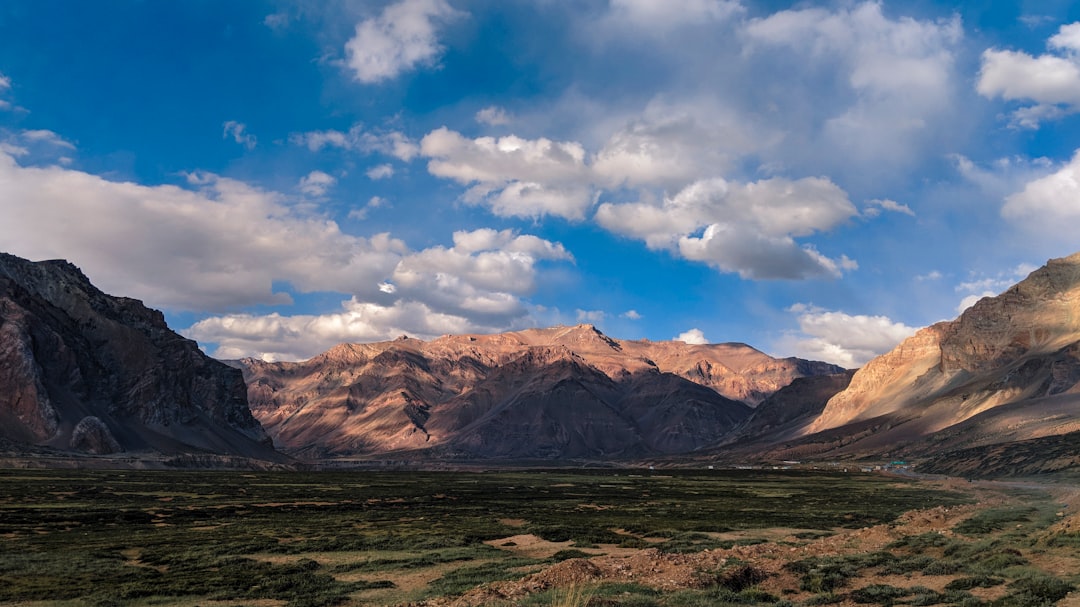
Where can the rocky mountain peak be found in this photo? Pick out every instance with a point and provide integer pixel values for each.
(81, 370)
(1008, 368)
(1039, 314)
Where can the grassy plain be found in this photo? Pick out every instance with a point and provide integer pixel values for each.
(143, 538)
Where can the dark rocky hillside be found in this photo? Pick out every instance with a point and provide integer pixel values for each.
(86, 372)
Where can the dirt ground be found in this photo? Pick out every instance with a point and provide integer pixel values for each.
(669, 572)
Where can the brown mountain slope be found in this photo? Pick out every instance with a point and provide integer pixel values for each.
(84, 371)
(1006, 370)
(557, 392)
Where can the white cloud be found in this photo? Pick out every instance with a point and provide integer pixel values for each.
(659, 16)
(276, 21)
(631, 315)
(278, 337)
(483, 274)
(13, 150)
(493, 116)
(592, 317)
(375, 202)
(5, 82)
(843, 339)
(747, 228)
(220, 244)
(884, 88)
(513, 176)
(238, 131)
(1052, 81)
(971, 300)
(46, 137)
(979, 286)
(1067, 39)
(474, 286)
(993, 285)
(931, 275)
(692, 337)
(402, 37)
(389, 143)
(316, 183)
(380, 171)
(671, 145)
(1048, 207)
(217, 243)
(875, 207)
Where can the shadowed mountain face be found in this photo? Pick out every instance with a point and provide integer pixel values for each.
(563, 392)
(1006, 371)
(84, 371)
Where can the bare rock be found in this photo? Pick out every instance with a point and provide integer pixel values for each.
(69, 352)
(91, 435)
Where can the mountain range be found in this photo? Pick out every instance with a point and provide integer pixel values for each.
(563, 392)
(995, 390)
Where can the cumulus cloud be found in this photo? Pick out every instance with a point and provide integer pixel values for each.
(316, 183)
(388, 143)
(1049, 206)
(277, 337)
(894, 81)
(493, 116)
(402, 37)
(238, 131)
(848, 340)
(513, 176)
(482, 275)
(692, 337)
(745, 228)
(631, 315)
(380, 171)
(476, 285)
(670, 145)
(5, 82)
(216, 244)
(1051, 80)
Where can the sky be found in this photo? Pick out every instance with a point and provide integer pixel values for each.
(815, 179)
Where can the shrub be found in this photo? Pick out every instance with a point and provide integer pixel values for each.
(1035, 591)
(881, 594)
(979, 581)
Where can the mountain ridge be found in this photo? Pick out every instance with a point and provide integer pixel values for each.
(343, 401)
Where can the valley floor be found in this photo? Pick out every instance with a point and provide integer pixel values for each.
(558, 537)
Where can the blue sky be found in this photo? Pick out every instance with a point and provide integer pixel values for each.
(815, 179)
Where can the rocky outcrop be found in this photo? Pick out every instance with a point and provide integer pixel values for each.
(82, 370)
(540, 393)
(1007, 370)
(91, 435)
